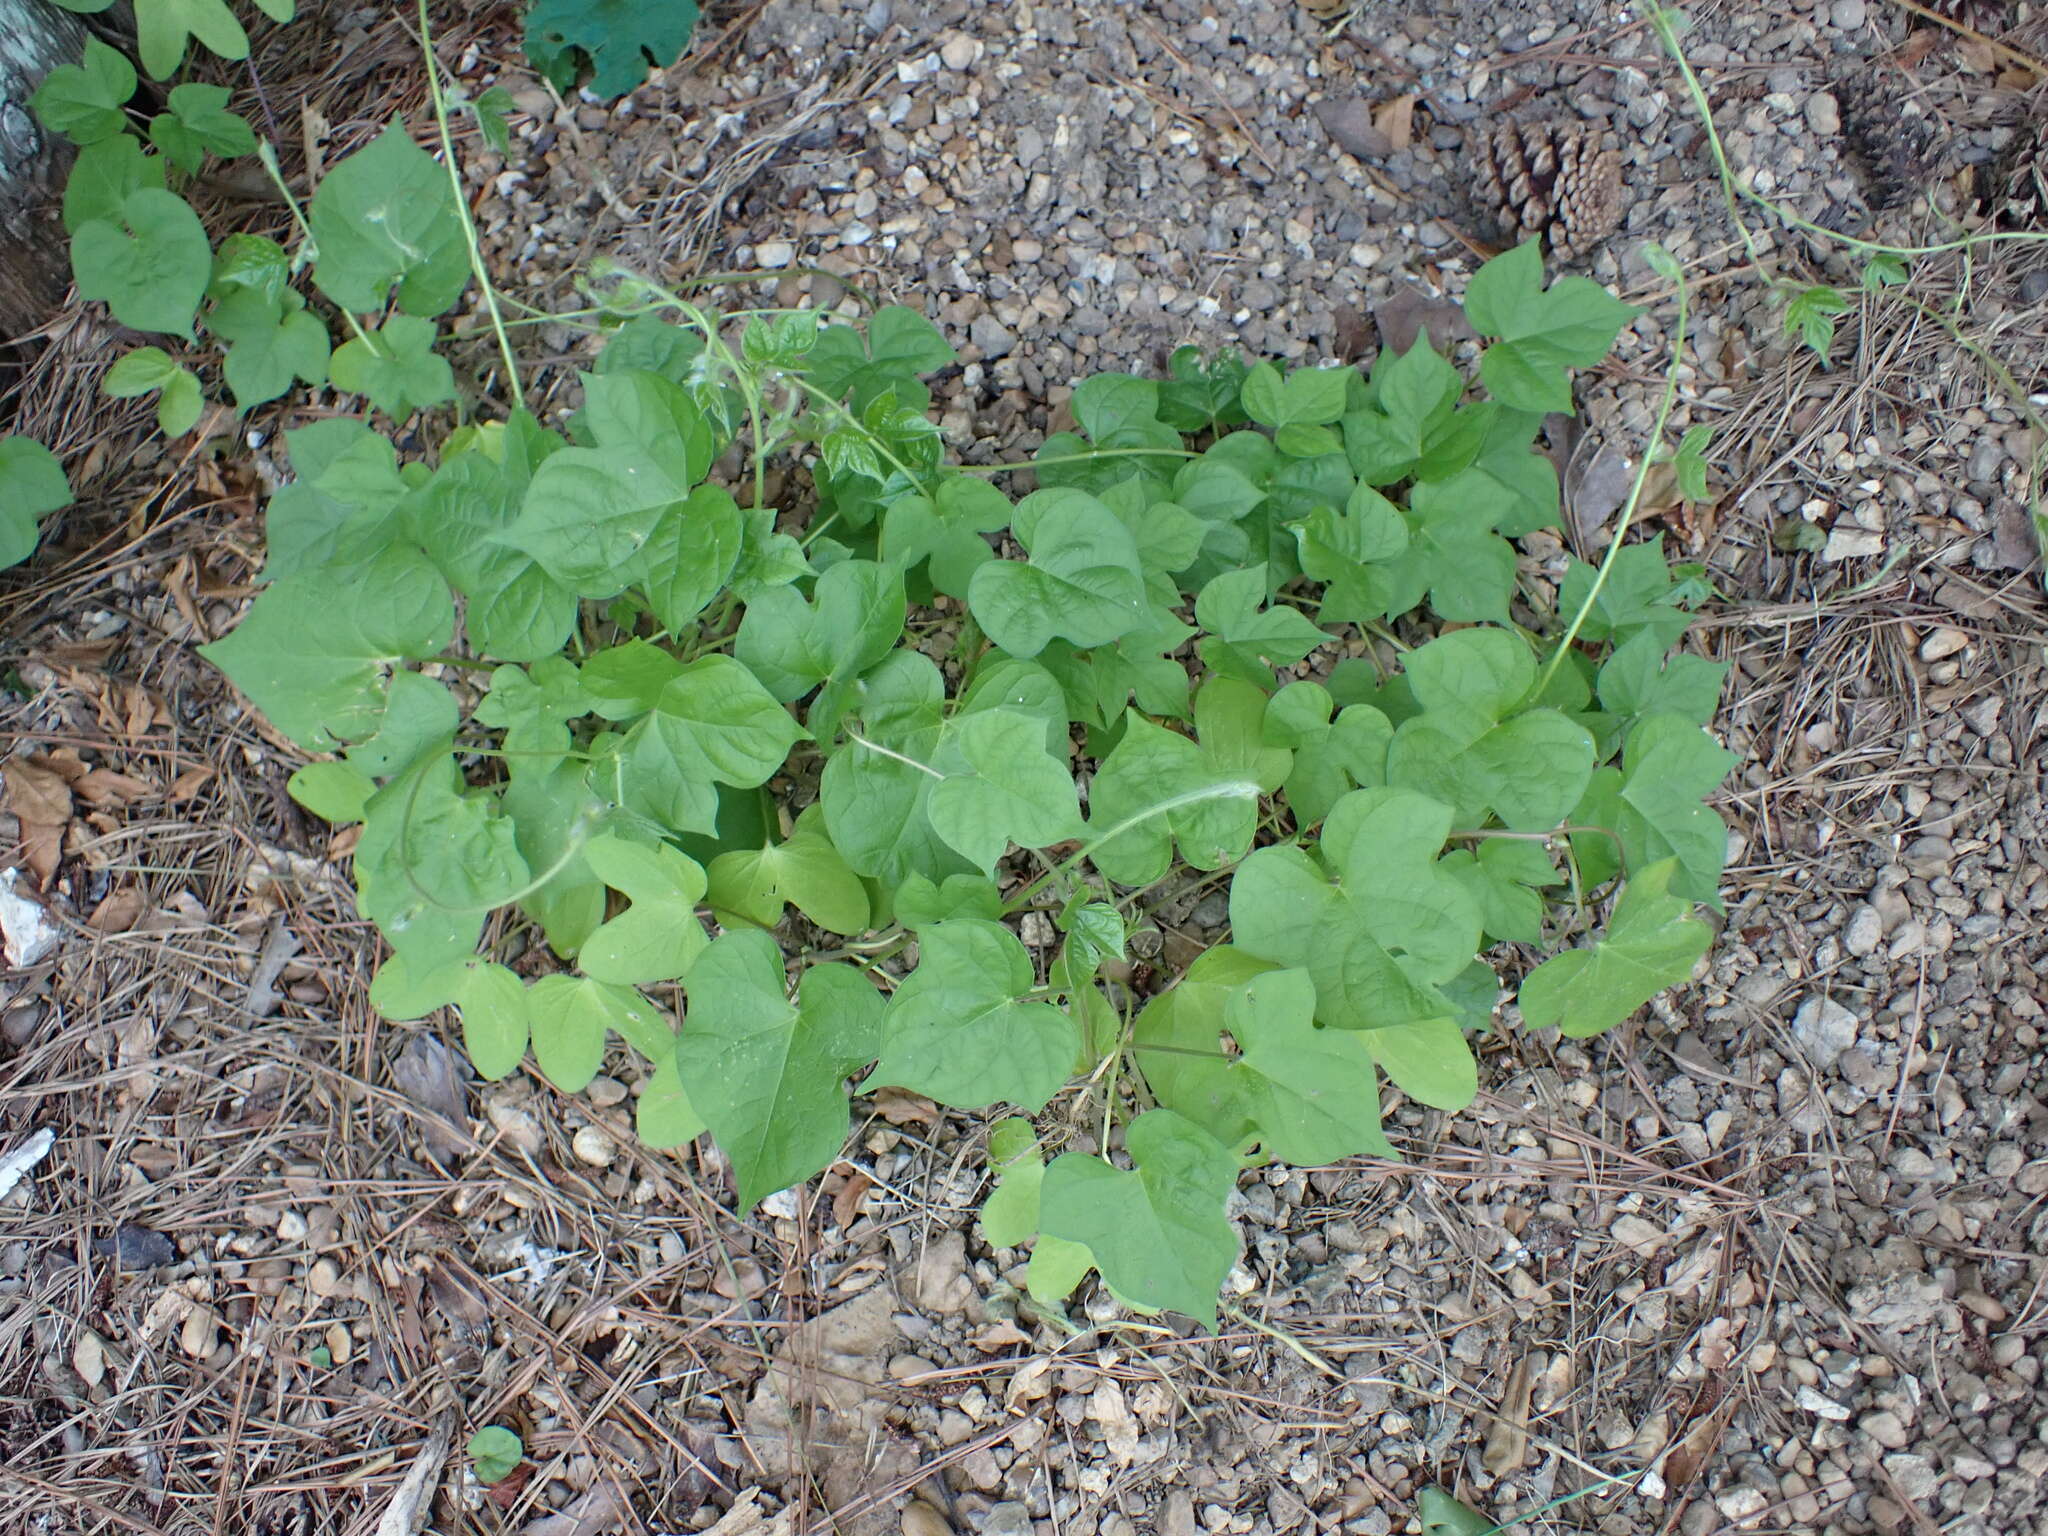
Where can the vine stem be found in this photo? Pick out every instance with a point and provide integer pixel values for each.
(469, 236)
(1665, 21)
(1234, 789)
(1616, 541)
(267, 153)
(881, 751)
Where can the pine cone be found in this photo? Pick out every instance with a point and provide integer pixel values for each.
(1555, 182)
(1990, 17)
(1889, 142)
(2014, 186)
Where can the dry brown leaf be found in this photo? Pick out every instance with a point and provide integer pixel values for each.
(41, 801)
(900, 1108)
(118, 911)
(847, 1198)
(1914, 50)
(1976, 56)
(1507, 1442)
(1396, 119)
(1689, 1456)
(188, 783)
(105, 786)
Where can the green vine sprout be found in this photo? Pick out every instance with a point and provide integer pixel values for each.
(767, 792)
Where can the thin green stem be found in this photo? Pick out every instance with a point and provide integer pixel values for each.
(267, 153)
(881, 751)
(1617, 539)
(469, 235)
(1234, 789)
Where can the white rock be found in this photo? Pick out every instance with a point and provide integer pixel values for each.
(1942, 644)
(1637, 1234)
(1864, 931)
(1824, 1028)
(1822, 1407)
(1852, 544)
(959, 51)
(592, 1146)
(774, 253)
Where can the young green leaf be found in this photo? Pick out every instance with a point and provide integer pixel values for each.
(150, 264)
(621, 38)
(793, 646)
(1158, 1231)
(1304, 1093)
(1543, 331)
(718, 725)
(999, 786)
(586, 515)
(1009, 1217)
(658, 937)
(200, 123)
(1638, 680)
(920, 902)
(770, 1078)
(946, 529)
(1245, 641)
(147, 370)
(312, 656)
(689, 555)
(269, 352)
(899, 345)
(959, 1030)
(387, 215)
(1443, 1515)
(85, 101)
(570, 1017)
(1331, 756)
(495, 1453)
(1083, 582)
(1652, 942)
(664, 1116)
(804, 870)
(32, 485)
(495, 1027)
(162, 26)
(1158, 788)
(1670, 765)
(650, 417)
(396, 367)
(103, 176)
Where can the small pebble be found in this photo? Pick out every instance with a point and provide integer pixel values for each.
(593, 1146)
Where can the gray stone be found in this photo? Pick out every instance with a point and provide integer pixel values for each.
(1864, 931)
(991, 336)
(1823, 116)
(1824, 1029)
(1008, 1518)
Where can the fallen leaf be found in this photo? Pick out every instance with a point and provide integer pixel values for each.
(118, 911)
(853, 1188)
(41, 801)
(1507, 1442)
(900, 1108)
(1396, 119)
(1409, 313)
(430, 1079)
(188, 783)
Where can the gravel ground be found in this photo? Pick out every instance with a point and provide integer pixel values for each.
(1771, 1257)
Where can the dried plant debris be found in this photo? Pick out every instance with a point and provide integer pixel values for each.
(1888, 139)
(1990, 17)
(2013, 188)
(1555, 182)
